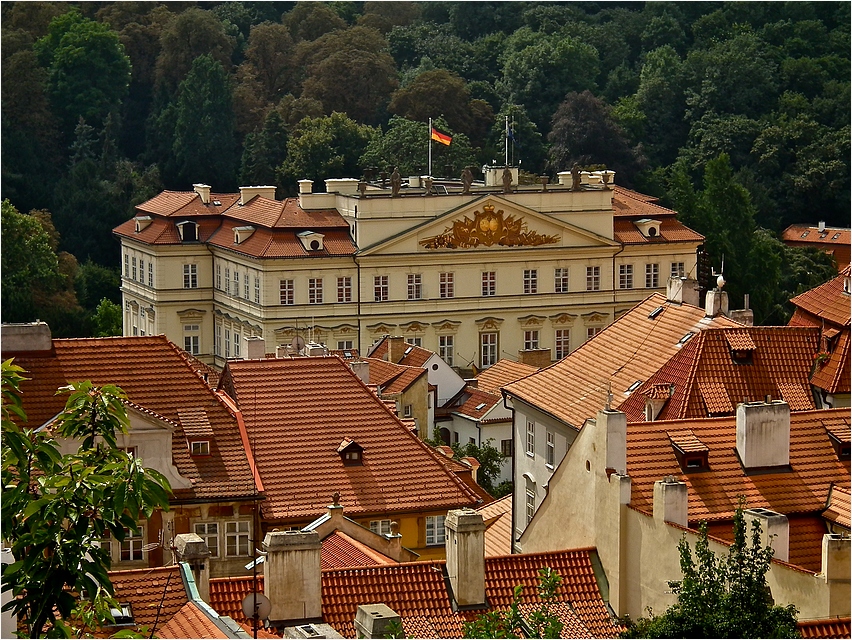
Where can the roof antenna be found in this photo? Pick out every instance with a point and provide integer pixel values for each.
(720, 279)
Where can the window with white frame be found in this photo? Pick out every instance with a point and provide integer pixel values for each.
(190, 276)
(257, 289)
(131, 548)
(237, 535)
(227, 280)
(382, 527)
(562, 343)
(446, 282)
(236, 283)
(530, 280)
(415, 286)
(380, 288)
(560, 280)
(133, 262)
(219, 277)
(246, 286)
(531, 339)
(227, 343)
(191, 339)
(530, 438)
(209, 532)
(678, 270)
(593, 278)
(126, 265)
(625, 276)
(199, 448)
(314, 290)
(591, 332)
(550, 450)
(236, 344)
(435, 531)
(286, 291)
(150, 273)
(445, 349)
(142, 270)
(217, 342)
(652, 276)
(530, 503)
(489, 283)
(344, 344)
(417, 341)
(488, 348)
(344, 289)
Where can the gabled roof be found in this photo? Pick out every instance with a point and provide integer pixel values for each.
(709, 381)
(671, 230)
(629, 203)
(158, 377)
(713, 493)
(282, 243)
(414, 356)
(417, 591)
(187, 203)
(502, 373)
(340, 550)
(497, 517)
(631, 349)
(838, 506)
(296, 413)
(475, 403)
(191, 622)
(810, 234)
(393, 378)
(156, 595)
(827, 301)
(840, 627)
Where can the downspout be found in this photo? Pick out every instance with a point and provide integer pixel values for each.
(358, 271)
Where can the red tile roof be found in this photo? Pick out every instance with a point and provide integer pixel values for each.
(713, 493)
(502, 373)
(476, 403)
(830, 628)
(629, 203)
(414, 356)
(300, 409)
(498, 526)
(833, 240)
(155, 595)
(157, 376)
(709, 381)
(340, 550)
(671, 230)
(190, 622)
(417, 591)
(827, 301)
(282, 243)
(393, 378)
(632, 348)
(838, 506)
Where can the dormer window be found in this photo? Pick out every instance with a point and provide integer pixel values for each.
(188, 231)
(122, 615)
(692, 454)
(742, 346)
(142, 222)
(838, 435)
(199, 447)
(241, 234)
(311, 240)
(351, 453)
(649, 228)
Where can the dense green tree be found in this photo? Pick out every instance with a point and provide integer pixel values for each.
(269, 59)
(722, 597)
(662, 101)
(490, 460)
(107, 319)
(57, 508)
(95, 282)
(432, 94)
(310, 20)
(264, 151)
(525, 144)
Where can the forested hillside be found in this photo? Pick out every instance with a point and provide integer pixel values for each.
(737, 114)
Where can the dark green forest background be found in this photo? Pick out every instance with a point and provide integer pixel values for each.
(736, 114)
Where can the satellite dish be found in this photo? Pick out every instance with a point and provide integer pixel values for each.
(298, 343)
(264, 607)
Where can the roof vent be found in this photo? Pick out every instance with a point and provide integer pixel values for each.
(142, 222)
(241, 234)
(481, 406)
(309, 631)
(311, 240)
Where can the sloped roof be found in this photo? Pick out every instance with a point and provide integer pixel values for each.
(156, 595)
(840, 627)
(298, 410)
(187, 203)
(417, 591)
(282, 243)
(810, 234)
(190, 622)
(498, 526)
(629, 203)
(709, 381)
(156, 376)
(631, 349)
(671, 230)
(502, 373)
(476, 403)
(340, 550)
(713, 493)
(393, 378)
(414, 356)
(838, 506)
(827, 301)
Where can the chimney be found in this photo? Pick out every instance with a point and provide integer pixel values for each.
(670, 501)
(396, 348)
(247, 193)
(836, 557)
(614, 425)
(255, 348)
(821, 226)
(763, 434)
(774, 531)
(202, 190)
(292, 576)
(535, 357)
(716, 303)
(30, 336)
(465, 546)
(191, 548)
(361, 369)
(306, 188)
(682, 291)
(375, 621)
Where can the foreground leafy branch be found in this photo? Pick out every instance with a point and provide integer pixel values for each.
(58, 508)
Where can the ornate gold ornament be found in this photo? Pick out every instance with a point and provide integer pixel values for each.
(488, 228)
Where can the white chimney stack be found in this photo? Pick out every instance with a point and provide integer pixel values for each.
(247, 193)
(774, 531)
(763, 434)
(291, 577)
(465, 545)
(255, 348)
(671, 501)
(191, 548)
(682, 290)
(614, 425)
(203, 190)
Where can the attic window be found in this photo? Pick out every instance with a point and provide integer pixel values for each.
(805, 234)
(655, 312)
(311, 240)
(742, 356)
(142, 222)
(217, 203)
(241, 234)
(838, 435)
(480, 406)
(122, 616)
(199, 447)
(835, 236)
(351, 453)
(684, 339)
(692, 454)
(633, 386)
(649, 228)
(188, 231)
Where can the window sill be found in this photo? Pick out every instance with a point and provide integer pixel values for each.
(530, 455)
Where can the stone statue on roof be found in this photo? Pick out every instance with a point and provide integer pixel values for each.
(396, 182)
(575, 177)
(507, 180)
(467, 180)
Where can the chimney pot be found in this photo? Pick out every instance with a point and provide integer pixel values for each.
(202, 190)
(292, 575)
(465, 546)
(671, 501)
(763, 434)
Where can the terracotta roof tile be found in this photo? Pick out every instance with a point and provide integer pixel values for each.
(414, 356)
(195, 422)
(715, 398)
(190, 622)
(498, 526)
(740, 340)
(157, 376)
(833, 374)
(340, 550)
(155, 595)
(827, 301)
(476, 403)
(301, 409)
(632, 348)
(502, 373)
(713, 493)
(686, 441)
(829, 628)
(274, 243)
(796, 395)
(393, 378)
(810, 233)
(838, 506)
(629, 203)
(671, 230)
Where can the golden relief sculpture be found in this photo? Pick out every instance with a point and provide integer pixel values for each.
(488, 228)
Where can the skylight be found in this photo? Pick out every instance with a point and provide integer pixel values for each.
(633, 386)
(480, 406)
(683, 340)
(655, 312)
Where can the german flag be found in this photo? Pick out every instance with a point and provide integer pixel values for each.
(440, 136)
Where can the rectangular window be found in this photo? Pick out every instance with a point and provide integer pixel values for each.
(447, 285)
(236, 283)
(531, 339)
(286, 291)
(191, 339)
(257, 290)
(190, 276)
(489, 283)
(126, 265)
(652, 276)
(380, 288)
(591, 332)
(131, 546)
(133, 262)
(218, 339)
(625, 276)
(227, 280)
(199, 448)
(550, 451)
(678, 270)
(530, 505)
(314, 290)
(236, 344)
(227, 343)
(344, 344)
(237, 538)
(562, 343)
(246, 286)
(344, 289)
(209, 532)
(593, 278)
(382, 527)
(488, 346)
(560, 277)
(506, 448)
(219, 277)
(435, 532)
(530, 280)
(445, 349)
(150, 273)
(530, 438)
(141, 271)
(415, 287)
(406, 411)
(417, 341)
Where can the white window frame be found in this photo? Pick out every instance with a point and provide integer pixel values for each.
(246, 286)
(562, 343)
(652, 275)
(192, 339)
(625, 276)
(227, 343)
(236, 344)
(236, 283)
(561, 281)
(489, 342)
(345, 344)
(228, 280)
(591, 332)
(141, 271)
(209, 532)
(530, 440)
(344, 289)
(133, 262)
(446, 282)
(593, 278)
(190, 276)
(550, 450)
(217, 329)
(380, 288)
(257, 289)
(530, 501)
(133, 546)
(531, 339)
(219, 276)
(678, 270)
(530, 281)
(415, 286)
(237, 538)
(381, 527)
(199, 448)
(126, 265)
(446, 345)
(286, 292)
(150, 273)
(436, 533)
(489, 284)
(314, 290)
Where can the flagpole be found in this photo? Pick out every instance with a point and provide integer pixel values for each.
(429, 135)
(507, 141)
